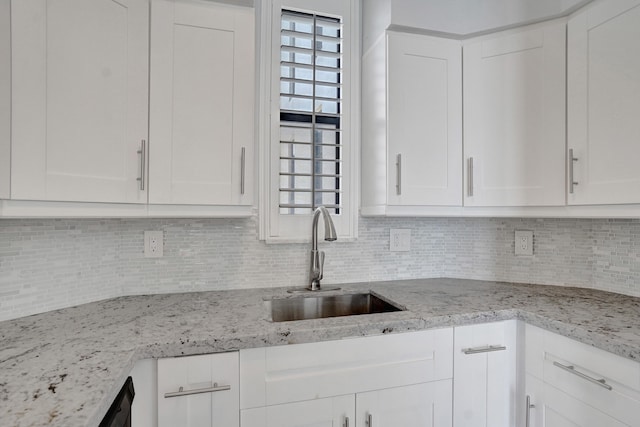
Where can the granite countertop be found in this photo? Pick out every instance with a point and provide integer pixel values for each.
(63, 368)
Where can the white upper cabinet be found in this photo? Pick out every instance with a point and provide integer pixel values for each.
(514, 117)
(424, 120)
(201, 103)
(5, 99)
(79, 100)
(412, 122)
(604, 104)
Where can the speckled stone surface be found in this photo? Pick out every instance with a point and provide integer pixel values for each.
(64, 368)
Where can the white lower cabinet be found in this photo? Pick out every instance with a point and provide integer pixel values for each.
(389, 380)
(532, 409)
(573, 384)
(494, 374)
(559, 409)
(329, 412)
(144, 408)
(199, 391)
(485, 375)
(418, 405)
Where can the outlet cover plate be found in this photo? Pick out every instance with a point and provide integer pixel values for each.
(524, 243)
(153, 244)
(400, 240)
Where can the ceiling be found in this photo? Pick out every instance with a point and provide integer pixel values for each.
(470, 17)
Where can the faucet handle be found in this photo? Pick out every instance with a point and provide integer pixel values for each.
(320, 264)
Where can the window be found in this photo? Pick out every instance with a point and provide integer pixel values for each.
(309, 106)
(310, 94)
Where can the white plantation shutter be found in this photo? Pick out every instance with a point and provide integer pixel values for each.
(311, 161)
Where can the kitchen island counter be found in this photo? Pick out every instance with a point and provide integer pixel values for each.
(63, 368)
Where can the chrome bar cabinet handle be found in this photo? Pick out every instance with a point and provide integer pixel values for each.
(182, 392)
(572, 160)
(470, 177)
(527, 421)
(370, 420)
(571, 369)
(242, 169)
(485, 349)
(143, 156)
(346, 421)
(399, 174)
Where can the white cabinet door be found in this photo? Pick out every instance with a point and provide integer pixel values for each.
(5, 99)
(411, 124)
(534, 414)
(204, 379)
(419, 405)
(144, 409)
(79, 99)
(514, 117)
(329, 412)
(485, 375)
(604, 103)
(424, 120)
(201, 103)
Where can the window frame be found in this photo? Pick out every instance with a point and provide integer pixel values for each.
(323, 175)
(273, 226)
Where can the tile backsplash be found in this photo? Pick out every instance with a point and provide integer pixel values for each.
(55, 263)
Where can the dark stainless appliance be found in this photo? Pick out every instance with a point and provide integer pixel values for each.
(119, 414)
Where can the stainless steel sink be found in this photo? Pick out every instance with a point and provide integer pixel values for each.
(319, 307)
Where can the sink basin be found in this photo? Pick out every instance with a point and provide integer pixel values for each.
(319, 307)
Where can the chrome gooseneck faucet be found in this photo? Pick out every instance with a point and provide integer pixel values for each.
(317, 257)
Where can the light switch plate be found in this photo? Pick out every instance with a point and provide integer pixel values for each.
(400, 240)
(524, 243)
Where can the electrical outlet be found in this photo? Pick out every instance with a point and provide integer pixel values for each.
(400, 240)
(524, 242)
(153, 244)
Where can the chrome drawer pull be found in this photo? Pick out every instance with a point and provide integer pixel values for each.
(346, 421)
(572, 160)
(370, 420)
(470, 177)
(182, 392)
(242, 169)
(601, 382)
(485, 349)
(399, 174)
(143, 157)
